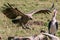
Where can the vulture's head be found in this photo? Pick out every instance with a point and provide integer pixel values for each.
(29, 16)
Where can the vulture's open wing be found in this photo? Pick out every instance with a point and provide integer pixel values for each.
(16, 11)
(12, 12)
(49, 10)
(39, 11)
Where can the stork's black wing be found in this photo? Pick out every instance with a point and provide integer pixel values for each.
(56, 25)
(49, 25)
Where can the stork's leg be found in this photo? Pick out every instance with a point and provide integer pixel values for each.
(54, 34)
(49, 36)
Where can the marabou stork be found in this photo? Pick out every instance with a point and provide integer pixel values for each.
(53, 24)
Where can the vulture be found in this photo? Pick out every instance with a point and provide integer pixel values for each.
(53, 24)
(41, 36)
(34, 37)
(12, 13)
(18, 38)
(52, 36)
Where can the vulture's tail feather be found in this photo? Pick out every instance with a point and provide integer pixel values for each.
(15, 20)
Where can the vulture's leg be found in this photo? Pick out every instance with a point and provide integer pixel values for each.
(23, 26)
(27, 26)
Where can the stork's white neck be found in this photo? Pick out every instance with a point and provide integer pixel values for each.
(54, 16)
(54, 21)
(55, 12)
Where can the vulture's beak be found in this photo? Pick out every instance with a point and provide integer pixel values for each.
(31, 17)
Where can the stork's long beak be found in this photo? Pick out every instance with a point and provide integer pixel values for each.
(55, 11)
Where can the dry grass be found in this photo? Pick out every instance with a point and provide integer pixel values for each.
(7, 28)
